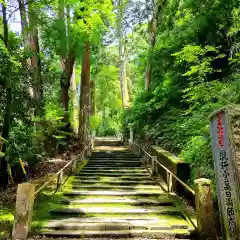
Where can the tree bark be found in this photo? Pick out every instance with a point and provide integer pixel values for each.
(93, 104)
(24, 21)
(75, 103)
(63, 37)
(36, 63)
(67, 59)
(65, 82)
(158, 7)
(8, 110)
(122, 57)
(84, 121)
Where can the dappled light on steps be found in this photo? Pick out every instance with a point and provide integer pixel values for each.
(113, 197)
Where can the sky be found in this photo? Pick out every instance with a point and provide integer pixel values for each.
(13, 14)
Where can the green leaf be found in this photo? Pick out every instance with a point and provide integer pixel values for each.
(65, 133)
(59, 137)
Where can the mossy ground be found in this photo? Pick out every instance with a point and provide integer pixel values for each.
(47, 200)
(6, 220)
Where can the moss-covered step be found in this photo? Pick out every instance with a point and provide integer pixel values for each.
(115, 174)
(115, 187)
(113, 178)
(109, 183)
(114, 166)
(110, 167)
(114, 193)
(163, 201)
(89, 209)
(113, 170)
(133, 220)
(106, 226)
(159, 234)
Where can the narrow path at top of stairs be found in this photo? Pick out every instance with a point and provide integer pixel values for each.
(114, 197)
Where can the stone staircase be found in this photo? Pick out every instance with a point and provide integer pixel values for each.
(115, 197)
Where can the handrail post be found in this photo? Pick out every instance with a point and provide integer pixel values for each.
(169, 182)
(60, 181)
(204, 209)
(154, 164)
(74, 167)
(24, 209)
(139, 151)
(88, 151)
(145, 159)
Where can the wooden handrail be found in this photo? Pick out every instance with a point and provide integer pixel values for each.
(61, 170)
(167, 170)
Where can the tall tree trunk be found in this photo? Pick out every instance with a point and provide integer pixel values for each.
(24, 21)
(67, 58)
(122, 56)
(8, 109)
(65, 82)
(63, 37)
(158, 6)
(36, 63)
(93, 104)
(75, 103)
(84, 121)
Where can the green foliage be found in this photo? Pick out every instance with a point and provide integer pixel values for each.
(95, 122)
(198, 60)
(195, 66)
(108, 98)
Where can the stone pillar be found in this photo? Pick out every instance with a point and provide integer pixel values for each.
(93, 135)
(24, 209)
(154, 165)
(204, 209)
(131, 135)
(60, 181)
(169, 182)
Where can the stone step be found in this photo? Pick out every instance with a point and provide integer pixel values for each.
(103, 167)
(114, 170)
(113, 153)
(116, 181)
(135, 219)
(118, 225)
(83, 211)
(133, 187)
(113, 166)
(122, 218)
(114, 161)
(113, 193)
(113, 178)
(117, 157)
(159, 234)
(161, 201)
(114, 174)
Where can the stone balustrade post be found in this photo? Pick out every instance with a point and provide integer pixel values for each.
(204, 209)
(60, 181)
(24, 210)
